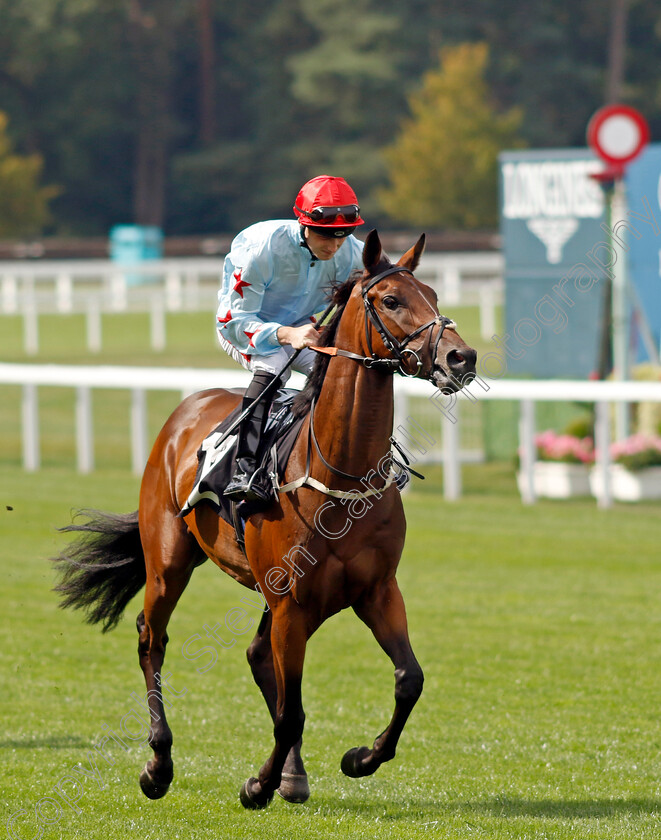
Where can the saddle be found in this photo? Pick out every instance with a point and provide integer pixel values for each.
(217, 454)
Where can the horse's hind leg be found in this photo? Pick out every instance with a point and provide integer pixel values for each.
(385, 615)
(294, 786)
(170, 556)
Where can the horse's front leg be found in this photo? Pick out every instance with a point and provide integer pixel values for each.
(294, 786)
(384, 613)
(288, 642)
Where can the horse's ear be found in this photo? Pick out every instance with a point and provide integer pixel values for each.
(372, 250)
(411, 258)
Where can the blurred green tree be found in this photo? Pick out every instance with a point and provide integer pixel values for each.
(23, 201)
(305, 86)
(349, 81)
(66, 83)
(153, 27)
(443, 165)
(209, 114)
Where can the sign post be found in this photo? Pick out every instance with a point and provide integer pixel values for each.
(618, 134)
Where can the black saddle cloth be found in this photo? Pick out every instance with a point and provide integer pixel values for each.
(217, 455)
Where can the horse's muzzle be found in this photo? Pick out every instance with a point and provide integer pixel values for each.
(458, 370)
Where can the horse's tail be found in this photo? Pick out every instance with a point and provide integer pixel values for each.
(102, 570)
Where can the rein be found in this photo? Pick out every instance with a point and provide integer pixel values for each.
(397, 470)
(317, 485)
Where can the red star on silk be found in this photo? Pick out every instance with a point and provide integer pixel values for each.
(226, 319)
(250, 336)
(240, 284)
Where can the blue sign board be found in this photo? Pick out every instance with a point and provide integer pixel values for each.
(642, 238)
(552, 217)
(556, 244)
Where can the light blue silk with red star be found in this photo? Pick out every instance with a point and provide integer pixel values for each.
(270, 280)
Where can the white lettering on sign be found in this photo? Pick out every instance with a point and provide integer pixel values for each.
(552, 188)
(552, 196)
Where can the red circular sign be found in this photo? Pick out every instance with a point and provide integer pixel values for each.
(618, 133)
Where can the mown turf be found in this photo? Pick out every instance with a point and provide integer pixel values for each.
(538, 629)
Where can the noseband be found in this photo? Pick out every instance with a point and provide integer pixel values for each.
(399, 349)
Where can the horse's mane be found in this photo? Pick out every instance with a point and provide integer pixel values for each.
(339, 295)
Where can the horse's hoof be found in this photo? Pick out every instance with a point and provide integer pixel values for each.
(252, 796)
(152, 788)
(353, 762)
(294, 788)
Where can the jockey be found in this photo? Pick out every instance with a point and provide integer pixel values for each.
(275, 277)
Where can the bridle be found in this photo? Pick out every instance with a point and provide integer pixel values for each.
(399, 349)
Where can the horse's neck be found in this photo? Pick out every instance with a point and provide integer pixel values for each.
(354, 416)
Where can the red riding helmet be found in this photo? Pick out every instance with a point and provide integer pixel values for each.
(327, 202)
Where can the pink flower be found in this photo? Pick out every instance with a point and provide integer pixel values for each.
(554, 447)
(637, 451)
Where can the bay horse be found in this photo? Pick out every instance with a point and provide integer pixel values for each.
(307, 569)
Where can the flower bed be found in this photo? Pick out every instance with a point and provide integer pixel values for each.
(566, 449)
(637, 452)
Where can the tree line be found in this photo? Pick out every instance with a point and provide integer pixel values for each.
(205, 115)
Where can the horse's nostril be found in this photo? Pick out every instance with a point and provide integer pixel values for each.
(465, 360)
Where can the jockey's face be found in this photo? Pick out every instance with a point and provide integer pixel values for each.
(321, 246)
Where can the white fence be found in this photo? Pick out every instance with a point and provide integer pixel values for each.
(94, 287)
(140, 380)
(66, 286)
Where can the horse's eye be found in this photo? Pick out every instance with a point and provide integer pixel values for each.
(390, 302)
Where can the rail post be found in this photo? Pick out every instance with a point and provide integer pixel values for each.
(30, 418)
(84, 430)
(138, 430)
(528, 452)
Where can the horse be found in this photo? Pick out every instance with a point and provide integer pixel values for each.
(306, 567)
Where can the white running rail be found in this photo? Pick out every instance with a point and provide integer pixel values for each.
(139, 380)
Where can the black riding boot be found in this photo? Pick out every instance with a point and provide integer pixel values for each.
(245, 484)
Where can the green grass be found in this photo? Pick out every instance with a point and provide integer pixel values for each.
(538, 630)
